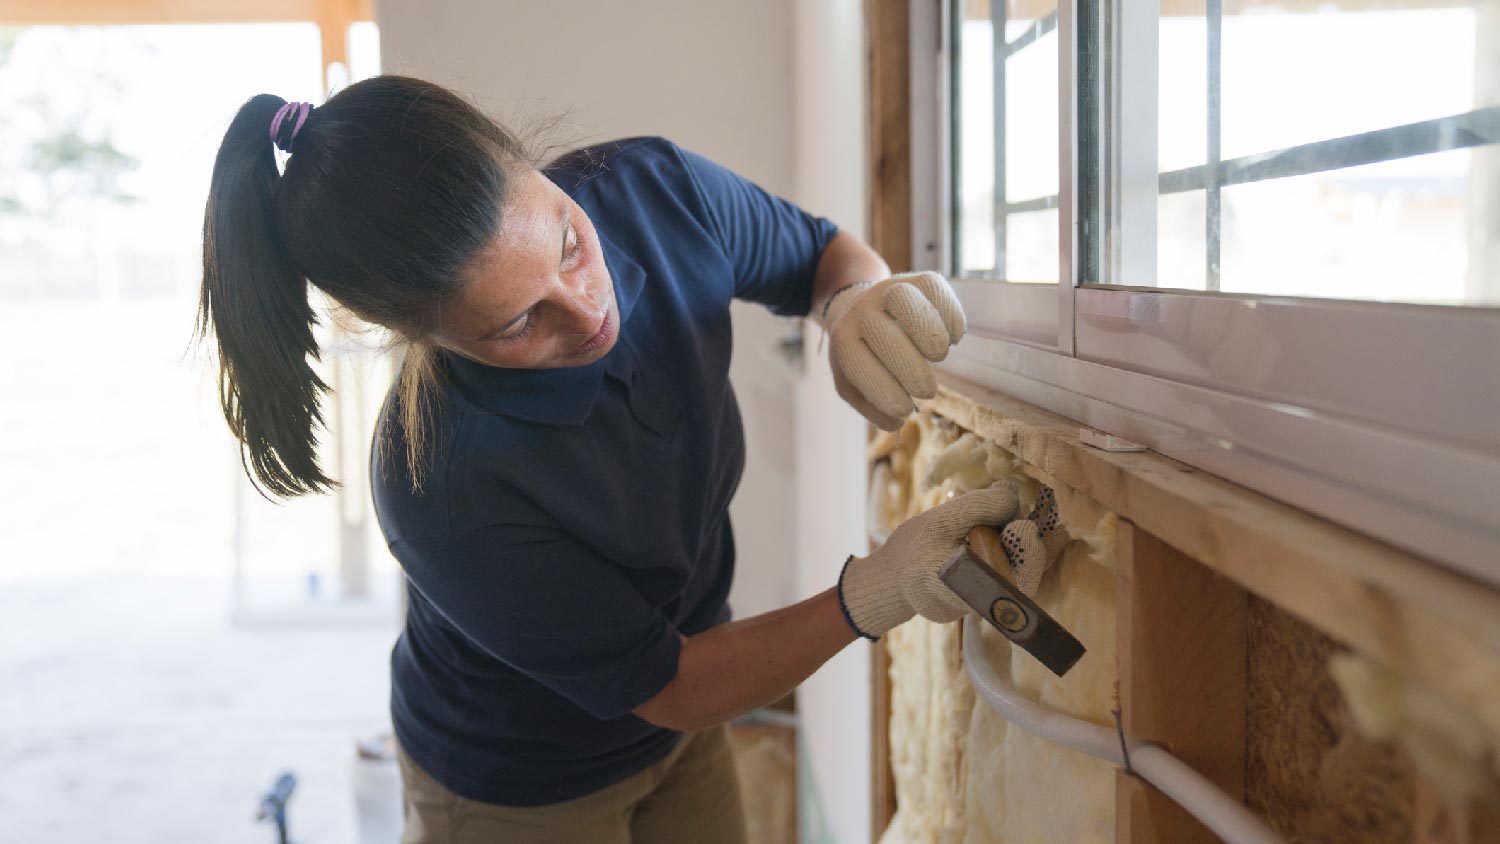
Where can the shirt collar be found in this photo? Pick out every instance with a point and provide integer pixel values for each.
(563, 396)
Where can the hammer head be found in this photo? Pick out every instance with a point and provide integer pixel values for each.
(1008, 610)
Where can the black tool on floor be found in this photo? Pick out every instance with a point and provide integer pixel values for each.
(273, 804)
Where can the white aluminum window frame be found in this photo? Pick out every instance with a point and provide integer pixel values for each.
(1381, 417)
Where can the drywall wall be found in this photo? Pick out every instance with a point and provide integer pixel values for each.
(715, 76)
(962, 775)
(834, 704)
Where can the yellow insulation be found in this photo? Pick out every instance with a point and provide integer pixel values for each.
(962, 776)
(1450, 747)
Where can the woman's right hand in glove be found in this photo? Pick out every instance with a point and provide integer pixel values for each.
(900, 578)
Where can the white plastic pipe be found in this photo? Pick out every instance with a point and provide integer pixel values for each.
(1223, 815)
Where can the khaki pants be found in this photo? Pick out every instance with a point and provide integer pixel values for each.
(693, 795)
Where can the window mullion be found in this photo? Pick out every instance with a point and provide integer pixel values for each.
(1067, 171)
(1087, 131)
(1215, 21)
(1001, 52)
(955, 136)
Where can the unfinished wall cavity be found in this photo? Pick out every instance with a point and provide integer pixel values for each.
(1335, 747)
(962, 775)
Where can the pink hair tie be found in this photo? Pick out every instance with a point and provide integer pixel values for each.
(301, 110)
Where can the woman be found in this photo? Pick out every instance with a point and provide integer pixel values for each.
(555, 461)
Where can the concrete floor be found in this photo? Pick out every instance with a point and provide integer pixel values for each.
(132, 711)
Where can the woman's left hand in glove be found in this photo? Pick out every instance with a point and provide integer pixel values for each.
(884, 337)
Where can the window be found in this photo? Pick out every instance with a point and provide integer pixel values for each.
(1356, 165)
(1005, 85)
(1278, 231)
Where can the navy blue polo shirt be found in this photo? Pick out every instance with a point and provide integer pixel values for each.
(575, 522)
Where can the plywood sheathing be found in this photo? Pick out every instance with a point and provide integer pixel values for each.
(1421, 621)
(888, 79)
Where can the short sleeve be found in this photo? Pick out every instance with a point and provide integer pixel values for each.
(551, 608)
(773, 245)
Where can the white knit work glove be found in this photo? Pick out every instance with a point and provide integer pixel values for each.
(883, 337)
(900, 578)
(1034, 543)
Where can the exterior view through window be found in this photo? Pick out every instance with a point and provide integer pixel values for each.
(175, 640)
(1341, 150)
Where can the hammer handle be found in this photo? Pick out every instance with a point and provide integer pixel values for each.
(984, 541)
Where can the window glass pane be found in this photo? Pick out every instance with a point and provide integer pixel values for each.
(1182, 107)
(1181, 240)
(1342, 68)
(1022, 166)
(1284, 167)
(974, 121)
(1031, 246)
(1020, 15)
(1388, 231)
(1031, 121)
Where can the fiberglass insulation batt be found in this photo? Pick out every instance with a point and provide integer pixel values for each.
(962, 774)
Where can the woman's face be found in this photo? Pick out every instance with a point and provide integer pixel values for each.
(540, 296)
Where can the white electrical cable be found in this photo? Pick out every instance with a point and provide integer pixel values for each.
(1223, 815)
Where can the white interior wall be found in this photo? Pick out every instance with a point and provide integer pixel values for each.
(714, 76)
(830, 180)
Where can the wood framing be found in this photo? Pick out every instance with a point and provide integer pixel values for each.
(888, 41)
(1190, 700)
(888, 121)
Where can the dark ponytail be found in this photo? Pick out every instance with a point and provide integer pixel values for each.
(393, 187)
(257, 305)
